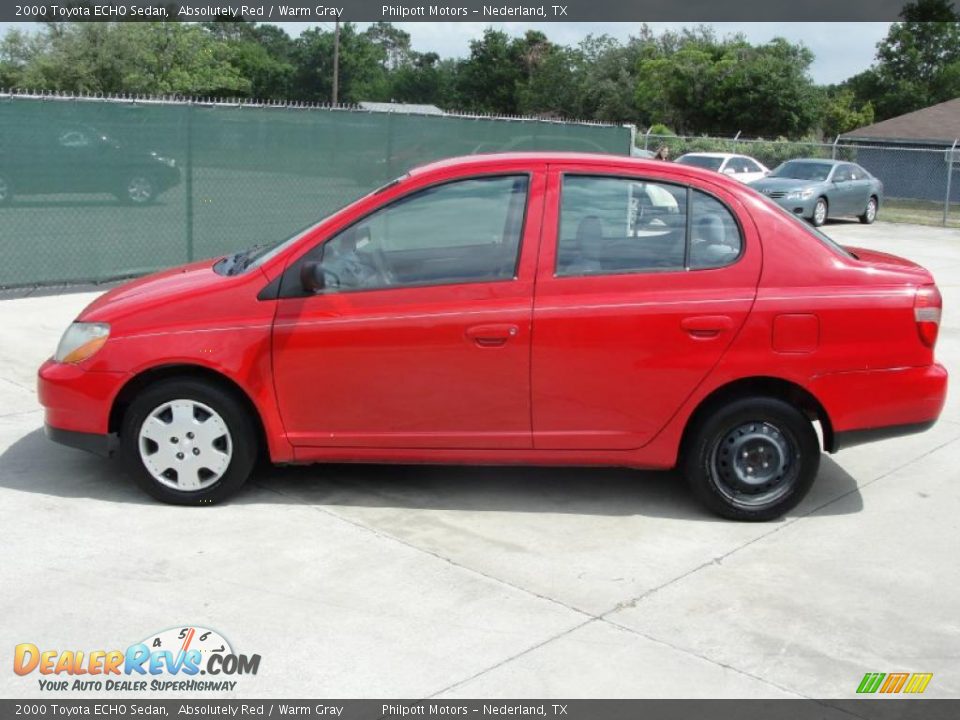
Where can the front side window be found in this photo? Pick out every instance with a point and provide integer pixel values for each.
(618, 225)
(842, 174)
(464, 231)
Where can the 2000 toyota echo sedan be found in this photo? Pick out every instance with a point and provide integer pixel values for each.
(518, 308)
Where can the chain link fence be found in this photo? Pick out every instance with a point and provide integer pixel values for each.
(93, 189)
(921, 184)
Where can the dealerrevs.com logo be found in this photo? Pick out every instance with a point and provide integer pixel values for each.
(177, 660)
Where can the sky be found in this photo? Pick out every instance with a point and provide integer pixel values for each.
(841, 49)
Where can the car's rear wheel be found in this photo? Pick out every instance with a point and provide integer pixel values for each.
(820, 212)
(753, 459)
(188, 442)
(138, 190)
(870, 212)
(6, 190)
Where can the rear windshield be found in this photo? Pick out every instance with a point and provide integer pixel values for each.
(701, 161)
(803, 170)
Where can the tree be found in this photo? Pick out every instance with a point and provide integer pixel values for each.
(698, 84)
(918, 63)
(487, 80)
(841, 115)
(362, 75)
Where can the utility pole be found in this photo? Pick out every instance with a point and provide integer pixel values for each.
(336, 62)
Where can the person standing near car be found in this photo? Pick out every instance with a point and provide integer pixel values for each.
(662, 153)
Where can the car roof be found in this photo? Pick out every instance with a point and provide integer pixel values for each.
(828, 161)
(714, 154)
(492, 160)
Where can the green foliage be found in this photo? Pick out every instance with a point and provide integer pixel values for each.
(918, 63)
(841, 115)
(699, 84)
(689, 81)
(770, 152)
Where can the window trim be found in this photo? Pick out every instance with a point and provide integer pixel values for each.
(292, 271)
(688, 228)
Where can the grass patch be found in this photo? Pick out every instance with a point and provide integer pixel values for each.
(920, 212)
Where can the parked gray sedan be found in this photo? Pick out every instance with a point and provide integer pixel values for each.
(818, 189)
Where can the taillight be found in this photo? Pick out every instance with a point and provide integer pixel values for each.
(926, 311)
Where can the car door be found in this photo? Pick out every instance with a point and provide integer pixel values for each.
(860, 188)
(421, 337)
(842, 191)
(630, 315)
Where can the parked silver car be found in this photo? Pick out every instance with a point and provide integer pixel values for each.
(821, 189)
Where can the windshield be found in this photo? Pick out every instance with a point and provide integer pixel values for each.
(260, 254)
(803, 170)
(701, 161)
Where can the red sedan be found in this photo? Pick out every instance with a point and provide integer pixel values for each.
(520, 308)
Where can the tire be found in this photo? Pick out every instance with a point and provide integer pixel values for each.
(741, 487)
(6, 190)
(820, 212)
(870, 211)
(138, 189)
(209, 427)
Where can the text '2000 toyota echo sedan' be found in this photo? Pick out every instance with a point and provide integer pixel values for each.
(518, 308)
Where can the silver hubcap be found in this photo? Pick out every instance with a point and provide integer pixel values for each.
(185, 445)
(820, 213)
(755, 463)
(139, 189)
(871, 210)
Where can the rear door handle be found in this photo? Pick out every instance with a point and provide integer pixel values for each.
(704, 327)
(492, 335)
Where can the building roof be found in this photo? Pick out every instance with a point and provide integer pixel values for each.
(938, 124)
(407, 108)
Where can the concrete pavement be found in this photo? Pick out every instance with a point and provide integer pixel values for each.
(367, 581)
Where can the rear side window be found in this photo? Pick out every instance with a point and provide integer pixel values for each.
(618, 225)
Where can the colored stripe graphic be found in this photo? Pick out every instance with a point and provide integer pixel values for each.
(918, 682)
(870, 682)
(894, 682)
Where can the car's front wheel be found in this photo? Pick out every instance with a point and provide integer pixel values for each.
(753, 459)
(188, 442)
(138, 190)
(820, 211)
(870, 212)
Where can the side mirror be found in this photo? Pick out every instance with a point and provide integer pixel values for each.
(312, 278)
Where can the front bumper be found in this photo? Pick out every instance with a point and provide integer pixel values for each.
(77, 404)
(800, 208)
(868, 405)
(103, 445)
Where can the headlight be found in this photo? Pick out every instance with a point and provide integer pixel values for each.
(800, 195)
(169, 162)
(80, 341)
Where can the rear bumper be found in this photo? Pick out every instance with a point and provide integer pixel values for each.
(869, 405)
(850, 438)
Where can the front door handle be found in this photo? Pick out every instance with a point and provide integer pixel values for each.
(492, 335)
(704, 327)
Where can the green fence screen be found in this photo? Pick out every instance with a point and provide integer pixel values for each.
(98, 189)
